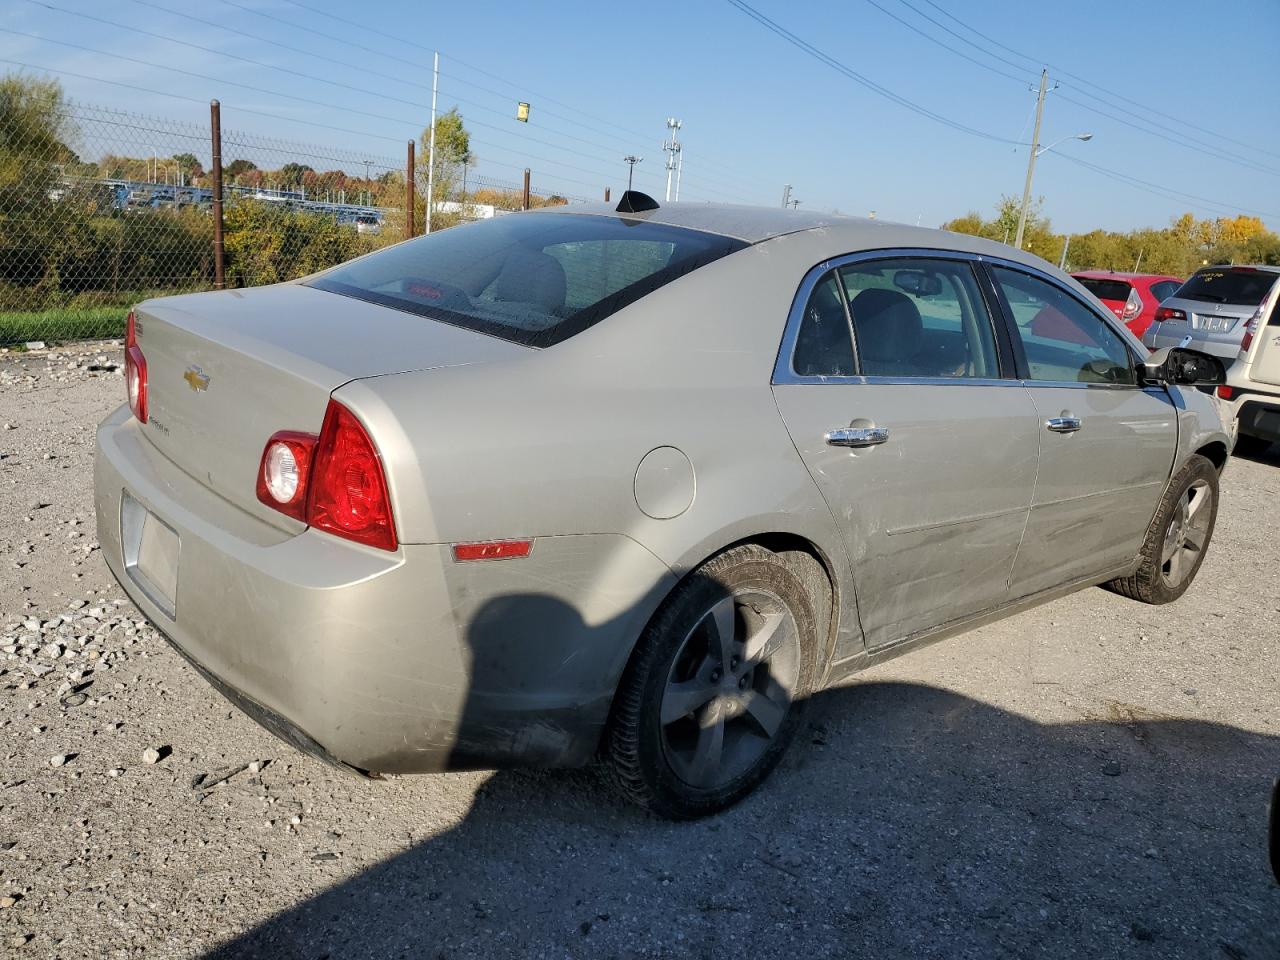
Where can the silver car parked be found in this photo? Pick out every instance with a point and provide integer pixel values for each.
(632, 482)
(1212, 308)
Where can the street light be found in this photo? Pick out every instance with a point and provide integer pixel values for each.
(1036, 150)
(631, 160)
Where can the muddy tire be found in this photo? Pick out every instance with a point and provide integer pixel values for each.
(715, 689)
(1178, 537)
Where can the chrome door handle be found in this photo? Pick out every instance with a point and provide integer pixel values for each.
(1063, 424)
(857, 436)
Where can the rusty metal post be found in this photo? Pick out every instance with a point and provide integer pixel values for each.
(524, 200)
(408, 193)
(215, 126)
(606, 194)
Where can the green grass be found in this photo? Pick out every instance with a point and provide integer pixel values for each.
(62, 323)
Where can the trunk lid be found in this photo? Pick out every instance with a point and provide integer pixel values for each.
(226, 370)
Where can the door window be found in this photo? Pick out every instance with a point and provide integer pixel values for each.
(1063, 339)
(915, 317)
(1164, 289)
(823, 347)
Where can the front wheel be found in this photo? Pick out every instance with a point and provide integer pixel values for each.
(714, 691)
(1178, 537)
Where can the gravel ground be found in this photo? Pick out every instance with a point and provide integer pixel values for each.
(1087, 779)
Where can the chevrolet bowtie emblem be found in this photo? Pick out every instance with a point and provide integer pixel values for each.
(196, 378)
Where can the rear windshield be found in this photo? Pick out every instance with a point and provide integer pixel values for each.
(1106, 289)
(533, 278)
(1244, 287)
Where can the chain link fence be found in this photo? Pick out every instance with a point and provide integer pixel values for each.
(100, 208)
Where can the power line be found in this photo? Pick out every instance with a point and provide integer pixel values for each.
(1181, 121)
(928, 36)
(334, 83)
(1181, 140)
(883, 91)
(268, 66)
(521, 89)
(1167, 192)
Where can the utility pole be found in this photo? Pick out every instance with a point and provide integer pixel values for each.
(631, 160)
(786, 195)
(1066, 245)
(1031, 159)
(671, 148)
(431, 150)
(679, 170)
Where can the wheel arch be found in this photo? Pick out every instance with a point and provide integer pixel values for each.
(1216, 453)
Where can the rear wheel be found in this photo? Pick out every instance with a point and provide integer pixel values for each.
(1178, 536)
(715, 689)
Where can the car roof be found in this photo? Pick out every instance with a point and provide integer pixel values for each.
(1119, 275)
(843, 234)
(1246, 267)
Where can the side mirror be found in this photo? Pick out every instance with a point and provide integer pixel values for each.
(1183, 367)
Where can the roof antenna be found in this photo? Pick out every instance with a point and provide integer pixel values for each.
(633, 201)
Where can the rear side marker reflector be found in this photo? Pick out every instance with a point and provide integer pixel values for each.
(492, 550)
(1225, 392)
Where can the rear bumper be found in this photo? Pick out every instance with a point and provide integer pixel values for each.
(386, 662)
(1227, 350)
(1259, 416)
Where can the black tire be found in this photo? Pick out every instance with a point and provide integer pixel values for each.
(1247, 446)
(637, 744)
(1151, 583)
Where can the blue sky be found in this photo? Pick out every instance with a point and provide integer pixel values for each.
(757, 111)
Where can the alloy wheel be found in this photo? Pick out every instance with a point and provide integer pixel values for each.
(1187, 534)
(730, 687)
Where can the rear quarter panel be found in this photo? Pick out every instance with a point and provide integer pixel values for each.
(548, 443)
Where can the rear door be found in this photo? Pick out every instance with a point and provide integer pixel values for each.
(899, 394)
(1106, 443)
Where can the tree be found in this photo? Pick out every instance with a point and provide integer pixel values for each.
(292, 174)
(189, 165)
(238, 167)
(453, 141)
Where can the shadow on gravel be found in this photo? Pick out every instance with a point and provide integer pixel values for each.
(906, 821)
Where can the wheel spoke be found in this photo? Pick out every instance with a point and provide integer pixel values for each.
(682, 699)
(768, 714)
(710, 746)
(1197, 498)
(1194, 538)
(1175, 565)
(1172, 543)
(762, 644)
(723, 616)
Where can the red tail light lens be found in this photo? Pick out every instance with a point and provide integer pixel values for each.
(135, 370)
(284, 472)
(135, 379)
(1225, 392)
(348, 489)
(1168, 313)
(1250, 329)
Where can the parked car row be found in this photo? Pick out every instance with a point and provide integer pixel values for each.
(1226, 311)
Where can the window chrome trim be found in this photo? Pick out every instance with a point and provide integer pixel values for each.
(784, 372)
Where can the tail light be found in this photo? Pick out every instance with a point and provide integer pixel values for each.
(333, 482)
(282, 478)
(135, 370)
(1225, 392)
(1132, 307)
(1250, 329)
(1169, 313)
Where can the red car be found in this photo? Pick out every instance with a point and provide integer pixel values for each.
(1133, 297)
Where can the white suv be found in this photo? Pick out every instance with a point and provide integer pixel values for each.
(1252, 389)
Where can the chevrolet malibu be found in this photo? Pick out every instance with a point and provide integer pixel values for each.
(633, 483)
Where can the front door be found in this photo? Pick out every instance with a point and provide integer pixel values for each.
(901, 400)
(1106, 443)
